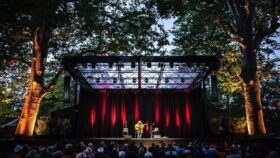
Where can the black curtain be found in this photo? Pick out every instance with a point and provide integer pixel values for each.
(95, 120)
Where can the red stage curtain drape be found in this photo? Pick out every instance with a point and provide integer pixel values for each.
(109, 111)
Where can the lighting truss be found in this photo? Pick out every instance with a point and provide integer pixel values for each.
(118, 72)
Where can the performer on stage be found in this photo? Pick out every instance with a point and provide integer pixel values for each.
(139, 128)
(151, 129)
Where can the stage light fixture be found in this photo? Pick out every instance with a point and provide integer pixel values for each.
(160, 65)
(182, 80)
(134, 80)
(149, 64)
(133, 65)
(171, 64)
(110, 64)
(146, 80)
(115, 80)
(166, 80)
(121, 65)
(85, 66)
(93, 65)
(97, 80)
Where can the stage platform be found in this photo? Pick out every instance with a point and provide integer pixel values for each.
(145, 141)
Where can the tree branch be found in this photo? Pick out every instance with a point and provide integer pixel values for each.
(235, 7)
(250, 9)
(51, 85)
(11, 60)
(227, 27)
(274, 24)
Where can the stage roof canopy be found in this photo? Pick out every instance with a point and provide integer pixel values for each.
(140, 72)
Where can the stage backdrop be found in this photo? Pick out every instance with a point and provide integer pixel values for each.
(175, 113)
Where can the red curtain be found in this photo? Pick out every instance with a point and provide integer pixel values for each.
(167, 117)
(113, 114)
(103, 106)
(157, 110)
(136, 112)
(92, 115)
(188, 113)
(123, 112)
(178, 121)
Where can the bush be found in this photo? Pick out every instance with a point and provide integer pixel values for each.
(216, 126)
(41, 128)
(54, 127)
(220, 126)
(237, 125)
(60, 127)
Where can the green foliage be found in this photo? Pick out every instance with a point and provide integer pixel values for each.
(210, 28)
(41, 127)
(237, 126)
(7, 113)
(54, 100)
(83, 27)
(216, 126)
(59, 127)
(53, 127)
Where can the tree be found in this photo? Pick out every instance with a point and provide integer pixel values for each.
(247, 25)
(39, 33)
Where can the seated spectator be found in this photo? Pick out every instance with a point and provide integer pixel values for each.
(212, 152)
(233, 153)
(148, 154)
(170, 153)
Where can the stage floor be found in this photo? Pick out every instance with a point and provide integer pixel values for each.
(146, 141)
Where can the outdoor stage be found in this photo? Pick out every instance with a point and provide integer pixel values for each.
(115, 92)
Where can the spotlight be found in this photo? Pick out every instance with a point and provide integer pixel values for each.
(160, 64)
(146, 80)
(97, 80)
(166, 80)
(121, 65)
(85, 66)
(133, 65)
(110, 64)
(149, 64)
(171, 64)
(182, 80)
(93, 65)
(115, 80)
(134, 80)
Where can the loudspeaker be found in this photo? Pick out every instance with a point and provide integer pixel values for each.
(157, 136)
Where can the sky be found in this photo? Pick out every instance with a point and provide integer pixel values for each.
(168, 24)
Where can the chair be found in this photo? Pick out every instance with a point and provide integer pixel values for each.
(125, 131)
(156, 131)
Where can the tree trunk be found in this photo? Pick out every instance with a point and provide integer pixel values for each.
(36, 90)
(251, 88)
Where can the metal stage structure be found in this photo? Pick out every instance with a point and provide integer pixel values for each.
(140, 72)
(113, 90)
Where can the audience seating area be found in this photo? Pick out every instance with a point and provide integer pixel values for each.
(190, 149)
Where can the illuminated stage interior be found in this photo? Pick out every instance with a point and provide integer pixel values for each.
(114, 91)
